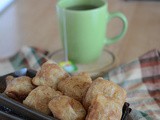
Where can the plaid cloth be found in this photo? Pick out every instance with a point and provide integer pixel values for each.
(27, 57)
(141, 79)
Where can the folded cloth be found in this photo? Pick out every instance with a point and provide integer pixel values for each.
(27, 57)
(141, 79)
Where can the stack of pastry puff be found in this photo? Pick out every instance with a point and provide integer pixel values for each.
(77, 97)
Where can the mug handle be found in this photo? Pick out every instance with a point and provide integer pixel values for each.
(122, 17)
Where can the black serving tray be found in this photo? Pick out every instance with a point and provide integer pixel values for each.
(11, 109)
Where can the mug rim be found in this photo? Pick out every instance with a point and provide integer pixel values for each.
(89, 10)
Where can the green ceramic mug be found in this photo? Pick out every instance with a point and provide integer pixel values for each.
(83, 26)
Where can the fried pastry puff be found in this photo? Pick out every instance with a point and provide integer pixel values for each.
(49, 75)
(106, 88)
(67, 108)
(18, 88)
(75, 86)
(104, 108)
(39, 98)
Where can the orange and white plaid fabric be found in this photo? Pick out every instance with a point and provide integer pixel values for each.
(141, 79)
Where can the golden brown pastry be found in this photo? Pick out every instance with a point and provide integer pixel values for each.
(18, 88)
(39, 98)
(106, 88)
(104, 108)
(67, 108)
(75, 86)
(49, 75)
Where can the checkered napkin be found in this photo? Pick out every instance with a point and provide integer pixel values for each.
(141, 79)
(27, 57)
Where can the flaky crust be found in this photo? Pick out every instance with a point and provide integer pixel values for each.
(49, 75)
(67, 108)
(104, 108)
(18, 88)
(106, 88)
(75, 86)
(39, 98)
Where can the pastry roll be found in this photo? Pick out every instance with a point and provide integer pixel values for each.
(75, 86)
(49, 75)
(39, 98)
(106, 88)
(18, 88)
(67, 108)
(104, 108)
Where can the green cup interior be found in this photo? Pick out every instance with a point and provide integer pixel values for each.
(70, 3)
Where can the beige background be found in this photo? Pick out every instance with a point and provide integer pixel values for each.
(35, 24)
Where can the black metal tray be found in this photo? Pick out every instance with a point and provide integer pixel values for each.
(11, 109)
